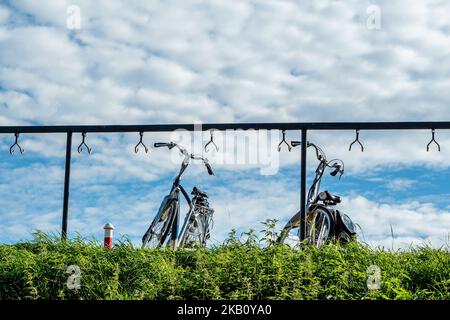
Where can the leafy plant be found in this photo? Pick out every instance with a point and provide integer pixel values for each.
(246, 267)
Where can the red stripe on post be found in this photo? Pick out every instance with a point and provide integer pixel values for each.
(108, 242)
(108, 239)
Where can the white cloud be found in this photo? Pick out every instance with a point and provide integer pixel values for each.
(225, 53)
(4, 14)
(400, 184)
(171, 62)
(412, 223)
(43, 51)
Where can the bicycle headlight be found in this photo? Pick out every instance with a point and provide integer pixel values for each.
(323, 196)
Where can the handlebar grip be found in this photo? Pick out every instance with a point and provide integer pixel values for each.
(160, 144)
(337, 169)
(295, 143)
(209, 168)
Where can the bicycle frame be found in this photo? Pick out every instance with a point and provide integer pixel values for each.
(313, 192)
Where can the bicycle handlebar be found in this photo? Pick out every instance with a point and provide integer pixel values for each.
(209, 169)
(163, 144)
(320, 155)
(172, 145)
(206, 162)
(188, 155)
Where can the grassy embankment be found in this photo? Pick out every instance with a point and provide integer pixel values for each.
(252, 269)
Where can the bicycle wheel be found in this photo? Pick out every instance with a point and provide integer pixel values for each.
(320, 227)
(156, 234)
(195, 231)
(290, 233)
(344, 237)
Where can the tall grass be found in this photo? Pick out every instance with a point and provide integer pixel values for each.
(254, 268)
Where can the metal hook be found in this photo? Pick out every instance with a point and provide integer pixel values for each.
(433, 140)
(136, 148)
(16, 143)
(284, 141)
(211, 132)
(356, 141)
(83, 143)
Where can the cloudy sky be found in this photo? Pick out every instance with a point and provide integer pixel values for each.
(143, 62)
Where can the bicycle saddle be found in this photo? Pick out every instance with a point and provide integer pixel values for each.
(198, 192)
(335, 198)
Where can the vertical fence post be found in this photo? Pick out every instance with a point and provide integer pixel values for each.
(66, 186)
(304, 146)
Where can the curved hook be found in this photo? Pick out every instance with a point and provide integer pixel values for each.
(136, 148)
(433, 140)
(16, 143)
(356, 141)
(211, 141)
(83, 143)
(284, 141)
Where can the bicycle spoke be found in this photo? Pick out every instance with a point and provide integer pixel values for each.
(159, 229)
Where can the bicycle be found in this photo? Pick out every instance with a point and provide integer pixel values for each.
(198, 221)
(323, 222)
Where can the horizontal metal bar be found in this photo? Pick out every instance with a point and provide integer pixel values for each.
(230, 126)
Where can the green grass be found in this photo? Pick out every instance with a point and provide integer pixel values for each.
(251, 269)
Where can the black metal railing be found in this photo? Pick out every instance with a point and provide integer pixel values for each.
(303, 127)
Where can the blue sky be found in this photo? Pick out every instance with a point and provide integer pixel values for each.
(135, 62)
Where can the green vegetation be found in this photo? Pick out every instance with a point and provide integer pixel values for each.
(251, 269)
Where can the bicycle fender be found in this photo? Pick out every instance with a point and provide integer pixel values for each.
(165, 201)
(346, 222)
